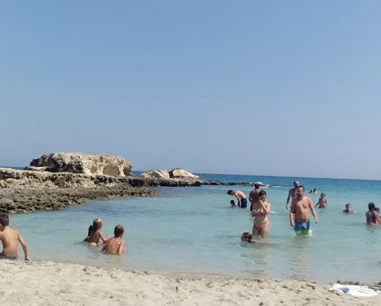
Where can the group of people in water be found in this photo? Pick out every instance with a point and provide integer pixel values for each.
(300, 209)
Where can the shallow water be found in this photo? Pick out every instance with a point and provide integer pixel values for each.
(195, 230)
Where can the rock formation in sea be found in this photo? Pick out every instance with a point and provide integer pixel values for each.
(82, 163)
(179, 173)
(159, 174)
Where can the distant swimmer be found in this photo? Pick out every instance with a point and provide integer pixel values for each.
(299, 213)
(372, 216)
(241, 197)
(292, 193)
(233, 204)
(323, 202)
(261, 209)
(348, 209)
(253, 196)
(95, 235)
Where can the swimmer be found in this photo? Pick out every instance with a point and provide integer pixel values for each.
(372, 216)
(116, 245)
(292, 193)
(322, 203)
(348, 209)
(247, 237)
(10, 239)
(241, 197)
(299, 213)
(233, 204)
(95, 235)
(260, 211)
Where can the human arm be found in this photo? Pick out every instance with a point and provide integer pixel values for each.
(25, 248)
(313, 211)
(288, 198)
(265, 206)
(292, 215)
(238, 200)
(122, 248)
(103, 238)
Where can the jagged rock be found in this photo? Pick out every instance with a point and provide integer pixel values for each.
(82, 163)
(183, 174)
(160, 174)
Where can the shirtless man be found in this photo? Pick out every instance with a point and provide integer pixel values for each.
(115, 245)
(253, 196)
(299, 212)
(261, 209)
(10, 239)
(292, 193)
(241, 197)
(372, 216)
(348, 209)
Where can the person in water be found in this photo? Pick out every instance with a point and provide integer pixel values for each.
(247, 237)
(299, 213)
(233, 204)
(292, 193)
(254, 195)
(260, 210)
(95, 235)
(10, 239)
(372, 216)
(348, 209)
(322, 203)
(241, 197)
(115, 245)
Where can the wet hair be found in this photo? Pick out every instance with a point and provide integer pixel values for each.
(246, 236)
(4, 219)
(118, 231)
(347, 205)
(371, 206)
(230, 192)
(232, 202)
(262, 193)
(91, 229)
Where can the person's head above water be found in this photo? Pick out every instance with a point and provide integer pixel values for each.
(296, 184)
(347, 206)
(246, 237)
(118, 231)
(232, 203)
(230, 192)
(371, 206)
(97, 224)
(300, 191)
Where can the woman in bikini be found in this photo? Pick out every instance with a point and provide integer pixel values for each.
(260, 211)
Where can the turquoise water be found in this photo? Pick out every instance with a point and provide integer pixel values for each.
(195, 230)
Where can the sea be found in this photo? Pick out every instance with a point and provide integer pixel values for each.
(194, 230)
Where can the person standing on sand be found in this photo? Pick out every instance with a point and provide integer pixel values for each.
(254, 195)
(292, 193)
(241, 197)
(299, 212)
(261, 209)
(10, 239)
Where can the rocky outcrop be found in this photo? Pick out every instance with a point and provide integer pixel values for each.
(152, 174)
(178, 173)
(82, 163)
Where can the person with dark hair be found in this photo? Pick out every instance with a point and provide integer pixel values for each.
(348, 209)
(292, 193)
(10, 239)
(323, 202)
(241, 197)
(299, 213)
(253, 196)
(372, 216)
(116, 244)
(233, 204)
(260, 210)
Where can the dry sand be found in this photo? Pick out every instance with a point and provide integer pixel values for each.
(48, 283)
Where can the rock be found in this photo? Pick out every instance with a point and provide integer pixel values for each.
(160, 174)
(182, 174)
(82, 163)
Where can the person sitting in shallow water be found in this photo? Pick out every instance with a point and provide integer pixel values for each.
(247, 237)
(95, 235)
(322, 203)
(115, 245)
(233, 204)
(348, 209)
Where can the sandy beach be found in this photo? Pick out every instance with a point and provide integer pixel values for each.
(48, 283)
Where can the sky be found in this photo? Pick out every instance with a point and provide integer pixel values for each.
(287, 88)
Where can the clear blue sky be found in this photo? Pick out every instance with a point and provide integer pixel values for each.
(287, 88)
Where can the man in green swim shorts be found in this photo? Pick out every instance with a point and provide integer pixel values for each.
(299, 213)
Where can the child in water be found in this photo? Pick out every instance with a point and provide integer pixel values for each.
(95, 235)
(322, 203)
(115, 245)
(233, 204)
(348, 209)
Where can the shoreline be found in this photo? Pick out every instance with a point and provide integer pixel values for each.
(50, 283)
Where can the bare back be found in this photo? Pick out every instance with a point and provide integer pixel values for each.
(114, 246)
(10, 239)
(239, 195)
(301, 208)
(254, 196)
